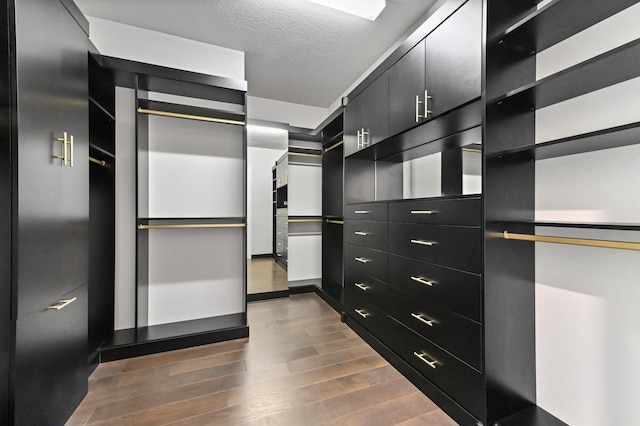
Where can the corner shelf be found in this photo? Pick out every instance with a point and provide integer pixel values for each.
(614, 137)
(612, 67)
(556, 21)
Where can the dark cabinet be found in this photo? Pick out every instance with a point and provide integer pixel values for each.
(453, 60)
(366, 117)
(50, 204)
(406, 89)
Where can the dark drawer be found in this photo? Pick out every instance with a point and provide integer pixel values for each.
(366, 233)
(461, 382)
(366, 288)
(456, 290)
(368, 211)
(455, 211)
(458, 335)
(454, 246)
(366, 315)
(372, 262)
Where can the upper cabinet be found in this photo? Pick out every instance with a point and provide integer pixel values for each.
(453, 61)
(440, 73)
(366, 118)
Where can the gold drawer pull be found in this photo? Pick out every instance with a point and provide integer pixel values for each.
(424, 242)
(362, 286)
(423, 319)
(423, 357)
(361, 233)
(423, 281)
(362, 313)
(363, 211)
(423, 212)
(363, 259)
(62, 304)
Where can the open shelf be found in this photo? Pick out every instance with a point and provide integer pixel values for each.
(556, 21)
(614, 137)
(177, 335)
(190, 112)
(607, 69)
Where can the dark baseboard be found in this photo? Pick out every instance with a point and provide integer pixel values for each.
(255, 297)
(262, 256)
(533, 416)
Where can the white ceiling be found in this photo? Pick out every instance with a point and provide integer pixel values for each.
(295, 51)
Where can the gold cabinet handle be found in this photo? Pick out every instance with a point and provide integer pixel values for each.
(426, 104)
(62, 304)
(363, 259)
(71, 148)
(362, 286)
(423, 357)
(422, 281)
(423, 212)
(65, 156)
(423, 319)
(361, 233)
(366, 141)
(362, 211)
(362, 313)
(424, 242)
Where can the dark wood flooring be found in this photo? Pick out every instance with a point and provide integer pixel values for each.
(300, 366)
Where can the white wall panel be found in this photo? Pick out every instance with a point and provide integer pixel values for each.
(305, 257)
(304, 190)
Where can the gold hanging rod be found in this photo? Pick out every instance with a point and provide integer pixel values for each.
(302, 154)
(479, 151)
(98, 162)
(304, 220)
(336, 222)
(193, 226)
(623, 245)
(190, 117)
(334, 146)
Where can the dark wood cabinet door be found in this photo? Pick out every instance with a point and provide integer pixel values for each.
(406, 81)
(375, 117)
(353, 115)
(53, 212)
(453, 59)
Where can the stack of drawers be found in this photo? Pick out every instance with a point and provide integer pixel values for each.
(413, 280)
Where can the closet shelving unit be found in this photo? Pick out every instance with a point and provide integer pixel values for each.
(159, 93)
(517, 31)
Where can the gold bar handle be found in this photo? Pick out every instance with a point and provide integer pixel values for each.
(426, 104)
(334, 146)
(623, 245)
(63, 304)
(65, 156)
(193, 226)
(71, 148)
(418, 103)
(190, 117)
(422, 281)
(362, 313)
(98, 162)
(363, 260)
(424, 242)
(362, 286)
(423, 212)
(362, 211)
(362, 234)
(423, 357)
(335, 222)
(424, 320)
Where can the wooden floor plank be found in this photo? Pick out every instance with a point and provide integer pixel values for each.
(300, 366)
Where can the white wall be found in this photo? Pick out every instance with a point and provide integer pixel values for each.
(295, 115)
(142, 45)
(587, 318)
(304, 190)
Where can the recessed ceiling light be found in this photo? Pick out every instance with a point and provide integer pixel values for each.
(369, 9)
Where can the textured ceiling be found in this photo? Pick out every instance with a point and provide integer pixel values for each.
(296, 51)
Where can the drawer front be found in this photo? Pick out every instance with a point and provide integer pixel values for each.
(454, 246)
(458, 335)
(460, 211)
(366, 288)
(366, 315)
(455, 290)
(372, 262)
(366, 233)
(368, 211)
(461, 382)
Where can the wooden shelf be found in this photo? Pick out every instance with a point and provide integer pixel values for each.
(556, 21)
(614, 137)
(607, 69)
(166, 337)
(190, 112)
